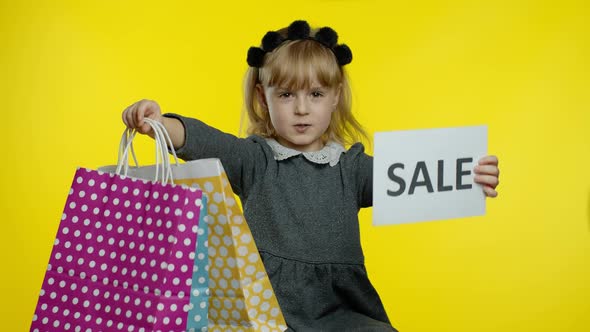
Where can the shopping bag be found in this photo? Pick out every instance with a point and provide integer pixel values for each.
(199, 300)
(241, 296)
(199, 295)
(122, 256)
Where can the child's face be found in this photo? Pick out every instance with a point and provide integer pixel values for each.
(300, 117)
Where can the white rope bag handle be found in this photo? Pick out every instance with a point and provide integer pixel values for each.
(163, 166)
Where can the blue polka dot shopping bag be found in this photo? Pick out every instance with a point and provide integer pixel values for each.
(240, 296)
(199, 302)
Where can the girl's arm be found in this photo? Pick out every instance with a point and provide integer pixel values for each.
(192, 139)
(242, 159)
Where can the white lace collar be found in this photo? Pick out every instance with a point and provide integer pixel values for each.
(330, 153)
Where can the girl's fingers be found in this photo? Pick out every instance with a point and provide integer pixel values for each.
(488, 180)
(139, 113)
(489, 191)
(124, 118)
(487, 170)
(488, 160)
(487, 173)
(128, 118)
(134, 115)
(145, 128)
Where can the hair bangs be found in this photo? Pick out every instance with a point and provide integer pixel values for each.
(299, 65)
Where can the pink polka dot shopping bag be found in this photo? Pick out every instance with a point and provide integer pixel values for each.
(240, 296)
(122, 258)
(125, 256)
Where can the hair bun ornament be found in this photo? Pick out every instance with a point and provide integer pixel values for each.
(296, 31)
(327, 36)
(343, 54)
(255, 57)
(272, 40)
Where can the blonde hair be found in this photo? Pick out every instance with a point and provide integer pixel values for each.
(295, 65)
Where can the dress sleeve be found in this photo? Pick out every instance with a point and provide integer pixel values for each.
(242, 158)
(365, 177)
(361, 169)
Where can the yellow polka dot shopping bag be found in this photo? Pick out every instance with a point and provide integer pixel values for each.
(123, 256)
(241, 297)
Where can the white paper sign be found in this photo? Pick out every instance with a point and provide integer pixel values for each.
(421, 175)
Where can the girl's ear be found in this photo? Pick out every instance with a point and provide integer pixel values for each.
(260, 95)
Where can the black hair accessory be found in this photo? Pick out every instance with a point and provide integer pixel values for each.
(299, 30)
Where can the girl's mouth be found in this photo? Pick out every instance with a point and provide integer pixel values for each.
(302, 127)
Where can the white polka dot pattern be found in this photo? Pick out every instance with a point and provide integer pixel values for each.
(119, 257)
(199, 298)
(241, 296)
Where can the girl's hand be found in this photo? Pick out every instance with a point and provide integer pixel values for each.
(487, 173)
(133, 115)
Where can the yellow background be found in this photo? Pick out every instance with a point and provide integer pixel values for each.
(69, 68)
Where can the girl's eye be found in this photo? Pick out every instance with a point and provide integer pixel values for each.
(285, 94)
(317, 94)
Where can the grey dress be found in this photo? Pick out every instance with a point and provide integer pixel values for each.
(304, 219)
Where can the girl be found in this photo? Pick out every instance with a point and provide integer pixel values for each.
(301, 190)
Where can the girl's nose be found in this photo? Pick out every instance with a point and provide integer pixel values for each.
(301, 107)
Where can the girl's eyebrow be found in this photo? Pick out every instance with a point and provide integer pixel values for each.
(313, 87)
(317, 85)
